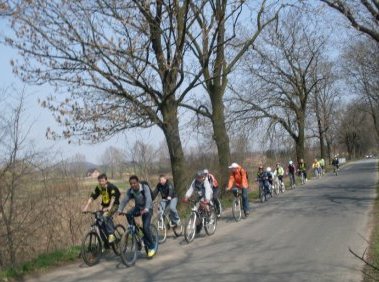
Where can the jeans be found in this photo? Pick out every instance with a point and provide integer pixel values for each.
(292, 178)
(108, 222)
(245, 200)
(146, 220)
(174, 216)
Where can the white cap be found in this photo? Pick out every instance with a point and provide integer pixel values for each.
(234, 165)
(206, 171)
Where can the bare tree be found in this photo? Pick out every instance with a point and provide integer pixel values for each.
(121, 61)
(280, 77)
(361, 67)
(218, 49)
(143, 158)
(15, 169)
(363, 15)
(113, 159)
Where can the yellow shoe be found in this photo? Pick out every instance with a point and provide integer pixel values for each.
(151, 253)
(111, 238)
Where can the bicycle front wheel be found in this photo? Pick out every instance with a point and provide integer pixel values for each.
(236, 209)
(190, 228)
(118, 231)
(161, 229)
(211, 223)
(128, 249)
(155, 237)
(91, 248)
(178, 230)
(262, 194)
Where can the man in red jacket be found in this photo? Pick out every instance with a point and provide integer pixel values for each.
(238, 180)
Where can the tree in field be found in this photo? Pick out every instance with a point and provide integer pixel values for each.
(361, 68)
(279, 78)
(323, 105)
(113, 160)
(120, 63)
(17, 167)
(363, 15)
(218, 49)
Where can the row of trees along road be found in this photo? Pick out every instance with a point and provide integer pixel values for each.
(135, 64)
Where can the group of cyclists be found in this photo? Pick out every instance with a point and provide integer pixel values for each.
(205, 187)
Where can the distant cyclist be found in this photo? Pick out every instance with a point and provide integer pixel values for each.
(322, 166)
(215, 189)
(303, 169)
(110, 199)
(291, 170)
(279, 171)
(238, 181)
(336, 162)
(316, 168)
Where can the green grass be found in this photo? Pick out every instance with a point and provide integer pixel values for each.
(371, 274)
(40, 263)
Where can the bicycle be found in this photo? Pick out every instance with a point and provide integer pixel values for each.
(237, 205)
(302, 178)
(199, 217)
(163, 223)
(132, 241)
(335, 170)
(96, 239)
(265, 189)
(292, 180)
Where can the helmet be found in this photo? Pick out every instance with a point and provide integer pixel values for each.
(278, 163)
(200, 173)
(268, 169)
(206, 171)
(260, 167)
(301, 160)
(290, 162)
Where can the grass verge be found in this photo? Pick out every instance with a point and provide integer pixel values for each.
(371, 274)
(42, 262)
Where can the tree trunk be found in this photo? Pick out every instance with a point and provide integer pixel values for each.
(329, 149)
(220, 134)
(320, 129)
(170, 129)
(300, 140)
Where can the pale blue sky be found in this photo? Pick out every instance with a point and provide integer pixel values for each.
(42, 118)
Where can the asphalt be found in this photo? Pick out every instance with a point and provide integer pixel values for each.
(302, 235)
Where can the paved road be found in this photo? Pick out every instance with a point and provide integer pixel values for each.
(303, 235)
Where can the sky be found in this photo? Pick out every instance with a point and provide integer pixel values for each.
(40, 119)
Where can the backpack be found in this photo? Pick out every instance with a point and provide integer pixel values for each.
(145, 183)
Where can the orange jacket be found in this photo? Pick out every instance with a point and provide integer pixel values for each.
(238, 178)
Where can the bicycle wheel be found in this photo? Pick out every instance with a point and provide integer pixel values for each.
(128, 249)
(190, 228)
(262, 194)
(118, 231)
(236, 209)
(161, 229)
(178, 230)
(276, 189)
(282, 187)
(211, 223)
(91, 248)
(155, 236)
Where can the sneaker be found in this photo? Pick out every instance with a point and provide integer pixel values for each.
(247, 213)
(151, 253)
(111, 238)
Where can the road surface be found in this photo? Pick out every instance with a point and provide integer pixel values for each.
(302, 235)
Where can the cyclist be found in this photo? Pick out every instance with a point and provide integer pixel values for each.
(291, 170)
(322, 166)
(238, 180)
(141, 194)
(214, 185)
(279, 172)
(110, 199)
(267, 179)
(169, 197)
(336, 163)
(202, 187)
(316, 168)
(303, 169)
